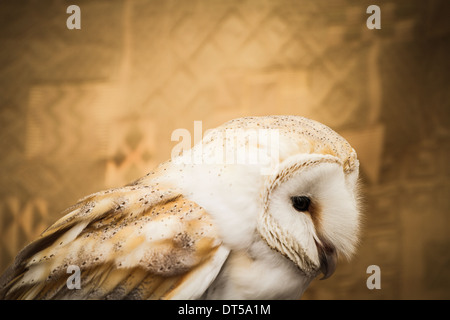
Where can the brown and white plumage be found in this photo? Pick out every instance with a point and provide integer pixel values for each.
(133, 242)
(190, 231)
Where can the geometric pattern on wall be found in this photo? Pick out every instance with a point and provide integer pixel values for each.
(67, 121)
(87, 109)
(239, 57)
(66, 139)
(20, 221)
(131, 151)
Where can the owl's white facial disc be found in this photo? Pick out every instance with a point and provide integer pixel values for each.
(311, 212)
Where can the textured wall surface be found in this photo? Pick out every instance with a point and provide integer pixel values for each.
(84, 110)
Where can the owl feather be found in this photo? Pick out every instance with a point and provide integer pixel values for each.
(208, 230)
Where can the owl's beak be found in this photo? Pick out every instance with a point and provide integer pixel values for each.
(328, 258)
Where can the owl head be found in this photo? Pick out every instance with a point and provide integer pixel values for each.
(305, 207)
(310, 212)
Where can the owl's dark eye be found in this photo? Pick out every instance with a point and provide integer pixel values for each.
(301, 203)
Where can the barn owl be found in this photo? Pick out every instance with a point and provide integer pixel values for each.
(208, 229)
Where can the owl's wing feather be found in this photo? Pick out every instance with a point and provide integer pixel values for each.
(135, 242)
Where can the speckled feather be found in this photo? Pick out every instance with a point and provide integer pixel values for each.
(202, 231)
(135, 242)
(307, 135)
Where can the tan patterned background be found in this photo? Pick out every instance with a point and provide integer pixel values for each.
(83, 110)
